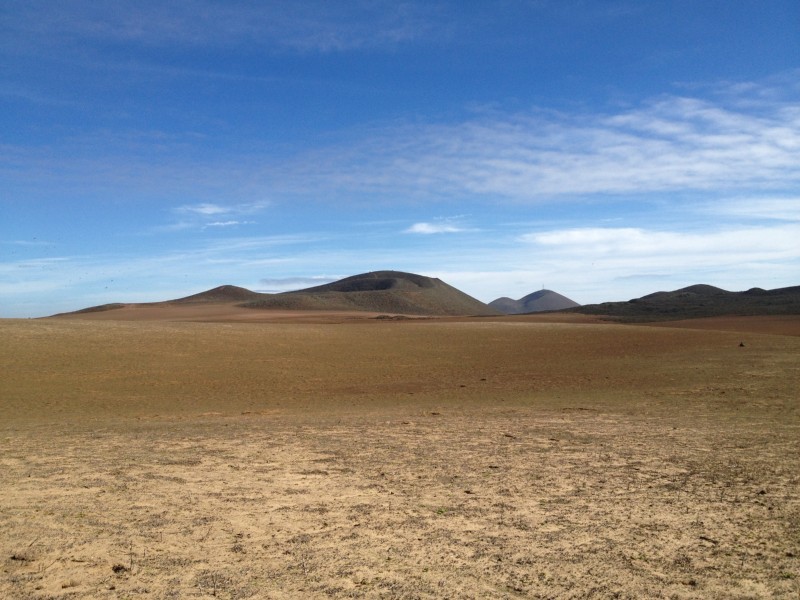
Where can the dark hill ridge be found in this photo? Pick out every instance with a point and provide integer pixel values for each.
(540, 301)
(699, 290)
(375, 281)
(698, 301)
(378, 291)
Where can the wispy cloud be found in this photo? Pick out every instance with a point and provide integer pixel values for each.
(431, 228)
(307, 26)
(204, 208)
(205, 215)
(32, 243)
(778, 209)
(210, 209)
(637, 250)
(668, 144)
(228, 223)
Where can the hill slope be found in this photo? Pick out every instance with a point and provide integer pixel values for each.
(700, 301)
(536, 302)
(223, 293)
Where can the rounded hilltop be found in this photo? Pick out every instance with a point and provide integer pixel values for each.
(377, 281)
(383, 292)
(541, 301)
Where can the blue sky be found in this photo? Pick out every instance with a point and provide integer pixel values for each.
(604, 149)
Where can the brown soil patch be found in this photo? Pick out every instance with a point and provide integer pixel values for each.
(215, 312)
(397, 459)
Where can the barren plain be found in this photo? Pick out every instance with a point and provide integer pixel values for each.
(343, 456)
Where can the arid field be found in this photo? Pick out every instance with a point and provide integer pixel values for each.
(188, 455)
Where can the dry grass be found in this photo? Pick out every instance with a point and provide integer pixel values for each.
(375, 459)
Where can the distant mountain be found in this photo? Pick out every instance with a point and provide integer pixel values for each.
(536, 302)
(379, 291)
(700, 301)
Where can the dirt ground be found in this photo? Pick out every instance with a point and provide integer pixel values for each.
(366, 458)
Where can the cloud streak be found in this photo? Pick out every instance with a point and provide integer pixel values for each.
(204, 209)
(668, 144)
(309, 26)
(433, 228)
(205, 215)
(669, 247)
(777, 209)
(747, 144)
(228, 223)
(211, 209)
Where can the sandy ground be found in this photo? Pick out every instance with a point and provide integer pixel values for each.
(397, 459)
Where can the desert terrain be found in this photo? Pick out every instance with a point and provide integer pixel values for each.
(214, 452)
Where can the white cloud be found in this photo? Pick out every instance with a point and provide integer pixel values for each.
(668, 144)
(637, 240)
(197, 216)
(33, 242)
(779, 209)
(430, 228)
(205, 208)
(228, 223)
(210, 209)
(670, 247)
